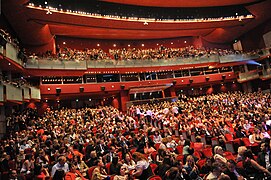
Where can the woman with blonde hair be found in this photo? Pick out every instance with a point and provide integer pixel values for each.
(143, 169)
(191, 168)
(218, 155)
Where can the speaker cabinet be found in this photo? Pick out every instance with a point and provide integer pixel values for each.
(191, 81)
(122, 86)
(81, 89)
(58, 90)
(102, 88)
(207, 78)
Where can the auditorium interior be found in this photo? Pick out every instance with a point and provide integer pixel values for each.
(128, 89)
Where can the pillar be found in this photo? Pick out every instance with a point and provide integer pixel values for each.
(267, 64)
(172, 91)
(2, 121)
(247, 86)
(124, 98)
(115, 102)
(163, 94)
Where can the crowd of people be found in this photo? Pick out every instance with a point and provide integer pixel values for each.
(162, 140)
(135, 54)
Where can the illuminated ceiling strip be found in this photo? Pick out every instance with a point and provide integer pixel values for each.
(134, 19)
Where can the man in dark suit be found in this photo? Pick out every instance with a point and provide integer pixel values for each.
(101, 148)
(264, 157)
(232, 171)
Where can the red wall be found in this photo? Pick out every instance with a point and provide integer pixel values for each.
(78, 43)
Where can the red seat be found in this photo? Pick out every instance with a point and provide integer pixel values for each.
(120, 155)
(197, 154)
(207, 152)
(239, 165)
(201, 162)
(154, 155)
(180, 149)
(107, 168)
(133, 150)
(90, 171)
(157, 145)
(247, 142)
(198, 146)
(180, 157)
(153, 167)
(228, 155)
(228, 137)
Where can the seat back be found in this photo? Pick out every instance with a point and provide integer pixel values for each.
(90, 171)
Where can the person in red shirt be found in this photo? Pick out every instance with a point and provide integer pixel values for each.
(73, 174)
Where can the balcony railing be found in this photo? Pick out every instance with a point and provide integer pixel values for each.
(266, 74)
(11, 52)
(247, 76)
(51, 63)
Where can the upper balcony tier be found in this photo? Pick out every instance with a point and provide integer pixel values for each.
(52, 63)
(85, 62)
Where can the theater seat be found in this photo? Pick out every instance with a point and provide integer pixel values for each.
(153, 167)
(179, 149)
(90, 171)
(207, 152)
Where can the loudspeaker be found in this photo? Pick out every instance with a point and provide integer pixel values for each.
(223, 76)
(102, 88)
(58, 90)
(174, 82)
(81, 89)
(122, 86)
(191, 81)
(207, 78)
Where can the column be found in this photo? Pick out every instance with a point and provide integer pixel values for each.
(124, 98)
(2, 121)
(172, 91)
(115, 102)
(163, 94)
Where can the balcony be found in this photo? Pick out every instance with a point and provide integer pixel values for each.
(266, 74)
(248, 76)
(51, 63)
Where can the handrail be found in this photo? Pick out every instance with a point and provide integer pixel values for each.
(53, 63)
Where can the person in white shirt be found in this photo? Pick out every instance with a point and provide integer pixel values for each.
(60, 165)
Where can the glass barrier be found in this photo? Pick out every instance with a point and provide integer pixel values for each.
(12, 53)
(49, 63)
(237, 57)
(248, 76)
(266, 73)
